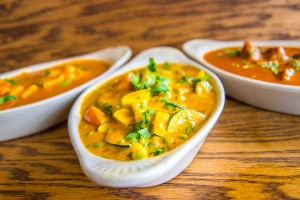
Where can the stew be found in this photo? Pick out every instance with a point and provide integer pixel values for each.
(272, 64)
(146, 112)
(35, 86)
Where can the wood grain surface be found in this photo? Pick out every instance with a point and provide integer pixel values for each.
(250, 153)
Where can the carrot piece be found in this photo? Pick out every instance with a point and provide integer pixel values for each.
(125, 83)
(95, 116)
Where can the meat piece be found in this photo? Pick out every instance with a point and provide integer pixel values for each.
(276, 53)
(250, 52)
(287, 74)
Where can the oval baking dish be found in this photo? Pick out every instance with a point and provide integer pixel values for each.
(27, 119)
(151, 170)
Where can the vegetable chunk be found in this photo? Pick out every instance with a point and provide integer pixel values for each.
(137, 96)
(124, 116)
(95, 116)
(160, 123)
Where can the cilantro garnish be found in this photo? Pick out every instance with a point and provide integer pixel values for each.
(66, 83)
(193, 80)
(272, 65)
(11, 81)
(107, 108)
(141, 129)
(157, 151)
(7, 98)
(152, 65)
(231, 52)
(171, 105)
(161, 85)
(139, 85)
(296, 64)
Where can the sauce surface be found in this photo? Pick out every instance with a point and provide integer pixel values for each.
(27, 88)
(276, 65)
(146, 112)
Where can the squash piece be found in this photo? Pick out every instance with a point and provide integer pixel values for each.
(29, 91)
(138, 109)
(55, 81)
(95, 116)
(125, 83)
(116, 137)
(138, 151)
(125, 116)
(160, 123)
(134, 97)
(185, 121)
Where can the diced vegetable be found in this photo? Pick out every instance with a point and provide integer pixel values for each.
(137, 96)
(138, 109)
(95, 116)
(184, 120)
(29, 91)
(103, 127)
(7, 98)
(160, 123)
(138, 151)
(116, 137)
(125, 116)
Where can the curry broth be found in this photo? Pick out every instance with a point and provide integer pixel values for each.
(253, 69)
(49, 82)
(95, 137)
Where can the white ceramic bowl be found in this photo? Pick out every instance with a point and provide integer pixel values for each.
(270, 96)
(31, 118)
(149, 171)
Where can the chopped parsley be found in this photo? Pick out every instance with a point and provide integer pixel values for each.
(272, 65)
(146, 83)
(192, 80)
(232, 53)
(296, 64)
(66, 83)
(7, 98)
(152, 65)
(157, 151)
(161, 85)
(11, 81)
(107, 108)
(141, 129)
(171, 105)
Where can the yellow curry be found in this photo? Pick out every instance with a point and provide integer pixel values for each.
(31, 87)
(146, 112)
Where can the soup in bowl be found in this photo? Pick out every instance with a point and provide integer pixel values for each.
(144, 124)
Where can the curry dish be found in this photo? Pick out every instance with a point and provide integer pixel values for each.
(32, 87)
(272, 64)
(146, 112)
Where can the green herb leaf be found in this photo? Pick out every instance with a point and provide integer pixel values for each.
(6, 98)
(231, 52)
(107, 108)
(66, 83)
(39, 83)
(171, 105)
(272, 65)
(157, 151)
(296, 64)
(11, 81)
(152, 65)
(161, 85)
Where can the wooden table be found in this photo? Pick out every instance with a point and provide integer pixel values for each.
(250, 154)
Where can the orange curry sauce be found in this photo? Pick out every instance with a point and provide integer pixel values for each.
(276, 64)
(27, 88)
